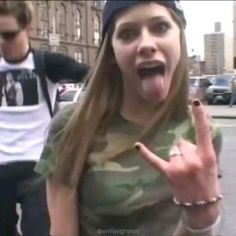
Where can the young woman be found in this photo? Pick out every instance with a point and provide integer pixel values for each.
(116, 161)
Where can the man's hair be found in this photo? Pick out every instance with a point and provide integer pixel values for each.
(21, 10)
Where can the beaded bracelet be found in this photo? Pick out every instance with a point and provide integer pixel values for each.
(198, 203)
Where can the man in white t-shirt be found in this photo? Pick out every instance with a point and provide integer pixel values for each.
(24, 118)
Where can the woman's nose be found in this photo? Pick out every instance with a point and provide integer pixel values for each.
(147, 46)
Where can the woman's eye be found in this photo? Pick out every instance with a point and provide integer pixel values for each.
(161, 27)
(128, 34)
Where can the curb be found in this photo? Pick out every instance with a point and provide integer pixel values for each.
(223, 117)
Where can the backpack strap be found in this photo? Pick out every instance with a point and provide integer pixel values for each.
(40, 71)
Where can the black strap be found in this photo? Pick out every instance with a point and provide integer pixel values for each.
(40, 70)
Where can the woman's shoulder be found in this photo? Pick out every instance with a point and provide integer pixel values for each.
(186, 129)
(62, 117)
(46, 164)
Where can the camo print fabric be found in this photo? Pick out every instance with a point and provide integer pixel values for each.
(125, 195)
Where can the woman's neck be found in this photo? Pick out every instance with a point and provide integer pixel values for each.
(137, 110)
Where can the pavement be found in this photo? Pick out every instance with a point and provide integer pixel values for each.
(228, 163)
(221, 111)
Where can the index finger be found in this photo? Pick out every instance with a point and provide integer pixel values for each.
(202, 127)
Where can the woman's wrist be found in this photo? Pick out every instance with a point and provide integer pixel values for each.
(201, 217)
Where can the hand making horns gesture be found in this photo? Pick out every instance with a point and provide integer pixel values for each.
(191, 169)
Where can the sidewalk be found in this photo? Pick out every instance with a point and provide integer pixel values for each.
(222, 111)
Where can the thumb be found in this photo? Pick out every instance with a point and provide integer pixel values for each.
(152, 158)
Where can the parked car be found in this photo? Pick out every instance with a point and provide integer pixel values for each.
(67, 85)
(198, 86)
(70, 96)
(220, 85)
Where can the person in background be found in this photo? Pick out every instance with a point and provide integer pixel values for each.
(233, 95)
(132, 158)
(24, 127)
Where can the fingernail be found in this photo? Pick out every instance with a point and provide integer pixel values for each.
(196, 103)
(137, 146)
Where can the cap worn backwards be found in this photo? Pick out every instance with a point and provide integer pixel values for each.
(113, 7)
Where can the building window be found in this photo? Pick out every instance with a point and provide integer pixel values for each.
(78, 56)
(96, 29)
(61, 21)
(44, 18)
(62, 49)
(77, 25)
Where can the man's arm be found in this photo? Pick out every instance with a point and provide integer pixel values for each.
(60, 67)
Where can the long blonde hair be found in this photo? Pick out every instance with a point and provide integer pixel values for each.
(91, 117)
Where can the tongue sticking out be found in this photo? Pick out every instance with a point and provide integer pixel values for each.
(152, 80)
(153, 86)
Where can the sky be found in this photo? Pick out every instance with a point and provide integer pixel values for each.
(200, 16)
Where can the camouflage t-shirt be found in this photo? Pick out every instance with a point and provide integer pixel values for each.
(125, 195)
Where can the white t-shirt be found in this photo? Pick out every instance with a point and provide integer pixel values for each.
(24, 114)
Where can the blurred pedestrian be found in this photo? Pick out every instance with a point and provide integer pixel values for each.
(233, 95)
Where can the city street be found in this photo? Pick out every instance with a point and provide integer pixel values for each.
(228, 164)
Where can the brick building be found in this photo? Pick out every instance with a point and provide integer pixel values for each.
(75, 26)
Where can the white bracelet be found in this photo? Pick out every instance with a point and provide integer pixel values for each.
(198, 203)
(212, 230)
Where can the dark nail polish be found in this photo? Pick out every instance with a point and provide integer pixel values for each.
(196, 103)
(137, 147)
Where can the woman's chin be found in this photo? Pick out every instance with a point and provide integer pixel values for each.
(155, 98)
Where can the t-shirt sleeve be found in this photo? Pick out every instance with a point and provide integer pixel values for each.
(60, 67)
(46, 164)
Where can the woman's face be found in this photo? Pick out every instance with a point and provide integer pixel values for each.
(146, 44)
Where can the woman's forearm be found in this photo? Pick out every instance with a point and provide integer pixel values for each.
(63, 210)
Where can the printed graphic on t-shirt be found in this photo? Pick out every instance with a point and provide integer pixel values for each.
(18, 88)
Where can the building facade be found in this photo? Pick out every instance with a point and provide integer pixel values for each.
(214, 53)
(218, 52)
(69, 27)
(196, 66)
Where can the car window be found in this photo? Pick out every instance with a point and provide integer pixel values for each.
(221, 81)
(204, 83)
(67, 96)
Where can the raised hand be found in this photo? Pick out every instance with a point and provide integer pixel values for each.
(191, 169)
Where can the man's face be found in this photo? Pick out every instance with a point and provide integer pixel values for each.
(12, 36)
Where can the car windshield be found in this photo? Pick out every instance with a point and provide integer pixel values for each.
(67, 96)
(221, 81)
